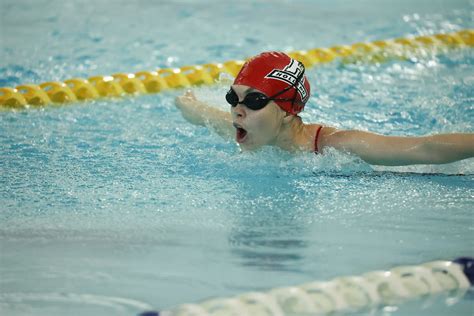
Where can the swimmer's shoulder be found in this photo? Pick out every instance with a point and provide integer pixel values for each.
(322, 135)
(324, 130)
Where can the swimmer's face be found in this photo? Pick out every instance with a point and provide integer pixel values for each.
(255, 128)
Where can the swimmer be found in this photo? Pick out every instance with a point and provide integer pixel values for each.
(265, 99)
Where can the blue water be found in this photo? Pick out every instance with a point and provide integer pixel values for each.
(113, 207)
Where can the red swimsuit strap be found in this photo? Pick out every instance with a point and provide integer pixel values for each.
(316, 150)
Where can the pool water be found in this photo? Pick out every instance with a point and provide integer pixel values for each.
(114, 207)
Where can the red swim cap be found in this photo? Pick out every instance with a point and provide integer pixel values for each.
(272, 72)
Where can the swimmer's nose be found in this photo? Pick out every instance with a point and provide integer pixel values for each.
(239, 110)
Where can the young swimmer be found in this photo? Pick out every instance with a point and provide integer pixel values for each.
(266, 97)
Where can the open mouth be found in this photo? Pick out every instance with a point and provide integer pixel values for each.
(241, 133)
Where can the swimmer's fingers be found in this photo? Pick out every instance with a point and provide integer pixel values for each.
(190, 108)
(186, 99)
(183, 102)
(200, 113)
(190, 94)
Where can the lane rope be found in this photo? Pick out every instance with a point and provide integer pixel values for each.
(122, 84)
(370, 290)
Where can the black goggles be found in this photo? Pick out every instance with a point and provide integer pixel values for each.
(258, 100)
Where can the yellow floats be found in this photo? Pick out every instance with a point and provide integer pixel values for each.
(121, 84)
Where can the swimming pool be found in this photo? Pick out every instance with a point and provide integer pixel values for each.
(117, 206)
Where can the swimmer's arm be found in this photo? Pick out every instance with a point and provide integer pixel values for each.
(398, 151)
(200, 113)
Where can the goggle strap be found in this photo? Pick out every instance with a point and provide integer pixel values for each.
(294, 85)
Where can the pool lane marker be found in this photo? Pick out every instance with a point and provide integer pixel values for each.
(353, 293)
(123, 84)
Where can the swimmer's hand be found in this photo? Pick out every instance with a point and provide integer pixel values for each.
(200, 113)
(191, 108)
